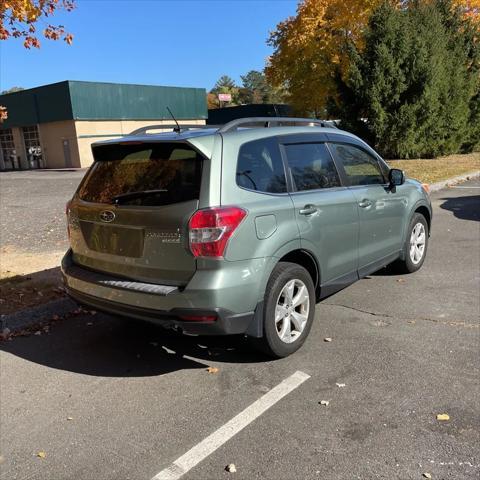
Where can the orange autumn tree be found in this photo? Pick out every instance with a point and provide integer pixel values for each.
(309, 48)
(30, 19)
(23, 18)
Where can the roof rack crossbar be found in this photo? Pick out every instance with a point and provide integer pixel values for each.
(145, 129)
(275, 121)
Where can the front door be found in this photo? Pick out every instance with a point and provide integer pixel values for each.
(66, 153)
(33, 147)
(381, 210)
(326, 213)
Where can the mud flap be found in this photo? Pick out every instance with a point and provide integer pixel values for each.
(255, 329)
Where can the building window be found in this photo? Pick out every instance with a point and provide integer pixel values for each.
(33, 148)
(8, 150)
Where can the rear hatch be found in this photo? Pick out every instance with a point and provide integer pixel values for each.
(130, 214)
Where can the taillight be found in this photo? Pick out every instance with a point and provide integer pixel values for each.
(210, 229)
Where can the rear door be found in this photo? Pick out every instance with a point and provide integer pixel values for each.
(325, 210)
(381, 210)
(130, 214)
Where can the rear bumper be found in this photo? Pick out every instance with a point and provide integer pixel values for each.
(164, 305)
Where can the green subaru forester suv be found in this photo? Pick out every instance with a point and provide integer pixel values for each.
(238, 229)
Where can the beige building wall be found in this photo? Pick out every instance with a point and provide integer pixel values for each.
(88, 132)
(59, 144)
(68, 143)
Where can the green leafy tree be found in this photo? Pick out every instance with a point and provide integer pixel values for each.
(257, 89)
(12, 90)
(226, 84)
(411, 91)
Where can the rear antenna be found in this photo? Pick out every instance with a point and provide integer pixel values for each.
(177, 129)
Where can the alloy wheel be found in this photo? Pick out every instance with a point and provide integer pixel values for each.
(291, 311)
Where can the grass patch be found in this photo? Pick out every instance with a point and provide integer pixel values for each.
(438, 169)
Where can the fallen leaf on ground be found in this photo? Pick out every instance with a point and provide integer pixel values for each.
(443, 416)
(231, 468)
(400, 280)
(69, 418)
(327, 339)
(212, 370)
(324, 402)
(340, 385)
(41, 454)
(427, 475)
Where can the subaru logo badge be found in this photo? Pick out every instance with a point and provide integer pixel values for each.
(107, 216)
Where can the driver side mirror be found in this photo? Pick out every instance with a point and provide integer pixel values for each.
(396, 177)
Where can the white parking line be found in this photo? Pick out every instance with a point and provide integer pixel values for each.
(207, 446)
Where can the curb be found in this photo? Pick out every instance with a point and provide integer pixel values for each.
(434, 187)
(31, 316)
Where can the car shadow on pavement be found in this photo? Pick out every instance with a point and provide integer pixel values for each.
(108, 346)
(18, 292)
(464, 208)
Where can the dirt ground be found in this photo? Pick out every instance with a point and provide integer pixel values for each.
(28, 279)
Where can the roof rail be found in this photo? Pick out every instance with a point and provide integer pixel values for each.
(275, 121)
(174, 127)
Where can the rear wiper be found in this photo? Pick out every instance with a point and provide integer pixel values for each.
(132, 195)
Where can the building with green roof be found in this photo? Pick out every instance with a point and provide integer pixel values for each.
(53, 126)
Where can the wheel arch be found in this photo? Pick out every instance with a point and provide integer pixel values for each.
(307, 260)
(423, 210)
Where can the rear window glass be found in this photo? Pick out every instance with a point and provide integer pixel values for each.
(143, 174)
(260, 167)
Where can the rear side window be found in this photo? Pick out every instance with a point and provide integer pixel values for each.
(312, 166)
(360, 167)
(150, 174)
(260, 167)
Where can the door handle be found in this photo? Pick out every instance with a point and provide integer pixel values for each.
(308, 210)
(365, 203)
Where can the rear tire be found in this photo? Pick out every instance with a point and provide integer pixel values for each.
(289, 309)
(415, 247)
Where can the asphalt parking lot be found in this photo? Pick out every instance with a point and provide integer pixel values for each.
(109, 398)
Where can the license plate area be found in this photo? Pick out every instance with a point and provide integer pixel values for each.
(113, 239)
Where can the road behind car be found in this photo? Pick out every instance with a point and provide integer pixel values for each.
(107, 398)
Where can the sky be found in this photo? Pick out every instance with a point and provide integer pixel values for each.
(186, 43)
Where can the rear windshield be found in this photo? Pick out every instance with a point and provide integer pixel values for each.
(143, 174)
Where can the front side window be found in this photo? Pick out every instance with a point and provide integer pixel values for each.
(260, 167)
(312, 166)
(151, 174)
(360, 167)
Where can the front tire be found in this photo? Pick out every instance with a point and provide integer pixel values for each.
(289, 309)
(416, 243)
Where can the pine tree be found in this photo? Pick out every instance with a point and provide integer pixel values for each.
(411, 90)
